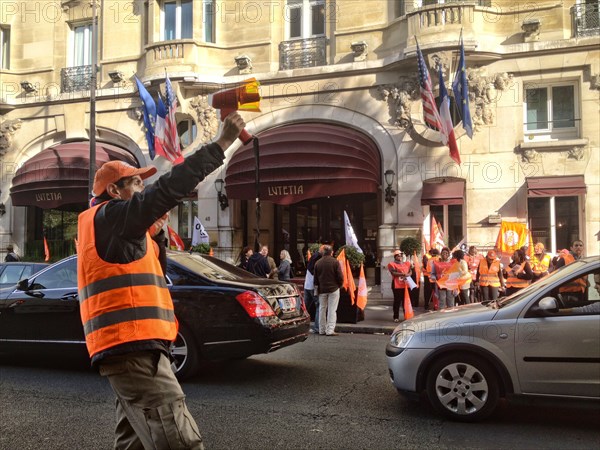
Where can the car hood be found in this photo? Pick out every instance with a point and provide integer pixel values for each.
(473, 313)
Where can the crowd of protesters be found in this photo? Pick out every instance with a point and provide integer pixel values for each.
(446, 282)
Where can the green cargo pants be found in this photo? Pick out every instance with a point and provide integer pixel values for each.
(151, 409)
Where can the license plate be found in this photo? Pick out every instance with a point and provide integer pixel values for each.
(288, 303)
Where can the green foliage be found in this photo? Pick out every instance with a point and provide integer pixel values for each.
(410, 246)
(354, 257)
(314, 247)
(201, 248)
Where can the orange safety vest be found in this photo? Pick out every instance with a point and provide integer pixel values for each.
(430, 261)
(473, 263)
(515, 282)
(577, 285)
(488, 276)
(403, 267)
(441, 267)
(120, 303)
(426, 271)
(540, 265)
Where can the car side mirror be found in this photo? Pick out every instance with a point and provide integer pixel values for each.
(548, 304)
(23, 285)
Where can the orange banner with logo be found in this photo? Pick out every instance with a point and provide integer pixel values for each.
(512, 236)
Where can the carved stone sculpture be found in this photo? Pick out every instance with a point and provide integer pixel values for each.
(206, 118)
(400, 97)
(7, 129)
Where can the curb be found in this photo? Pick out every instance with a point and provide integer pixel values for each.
(345, 328)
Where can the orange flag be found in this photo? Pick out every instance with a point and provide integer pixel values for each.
(437, 234)
(351, 285)
(175, 241)
(408, 310)
(512, 236)
(46, 250)
(417, 265)
(342, 259)
(530, 246)
(361, 301)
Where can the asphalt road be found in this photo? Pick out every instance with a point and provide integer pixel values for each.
(326, 393)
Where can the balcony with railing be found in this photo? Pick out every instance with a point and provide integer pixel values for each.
(73, 79)
(586, 19)
(302, 53)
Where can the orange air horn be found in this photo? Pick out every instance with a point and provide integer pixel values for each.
(242, 98)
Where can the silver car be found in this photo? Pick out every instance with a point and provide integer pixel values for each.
(542, 341)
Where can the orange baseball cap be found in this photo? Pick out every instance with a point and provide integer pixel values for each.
(113, 171)
(491, 254)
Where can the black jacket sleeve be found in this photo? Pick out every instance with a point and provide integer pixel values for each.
(122, 225)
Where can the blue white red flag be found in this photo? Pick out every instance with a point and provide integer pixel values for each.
(460, 87)
(447, 129)
(166, 138)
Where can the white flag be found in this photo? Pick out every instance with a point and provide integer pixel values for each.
(350, 236)
(199, 236)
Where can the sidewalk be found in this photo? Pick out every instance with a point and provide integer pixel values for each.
(378, 319)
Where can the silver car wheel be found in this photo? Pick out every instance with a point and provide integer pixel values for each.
(184, 353)
(179, 353)
(461, 388)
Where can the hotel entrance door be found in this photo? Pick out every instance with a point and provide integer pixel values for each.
(321, 220)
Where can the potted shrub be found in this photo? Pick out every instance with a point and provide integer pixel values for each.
(347, 312)
(201, 248)
(354, 257)
(410, 246)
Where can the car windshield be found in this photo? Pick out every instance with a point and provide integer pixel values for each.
(564, 271)
(209, 267)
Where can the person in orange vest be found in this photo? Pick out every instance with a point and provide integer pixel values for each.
(489, 276)
(573, 292)
(445, 296)
(518, 274)
(463, 272)
(540, 262)
(400, 270)
(473, 258)
(126, 309)
(432, 255)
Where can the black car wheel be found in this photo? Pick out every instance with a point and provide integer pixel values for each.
(184, 354)
(463, 388)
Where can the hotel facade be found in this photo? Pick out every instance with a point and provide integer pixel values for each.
(341, 124)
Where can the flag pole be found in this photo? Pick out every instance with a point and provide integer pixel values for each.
(93, 81)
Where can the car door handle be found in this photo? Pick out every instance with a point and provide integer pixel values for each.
(70, 296)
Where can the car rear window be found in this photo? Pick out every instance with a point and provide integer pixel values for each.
(210, 267)
(12, 274)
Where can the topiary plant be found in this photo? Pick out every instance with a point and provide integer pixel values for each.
(354, 257)
(314, 247)
(201, 248)
(410, 246)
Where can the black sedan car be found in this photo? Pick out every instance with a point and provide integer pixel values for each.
(12, 272)
(223, 312)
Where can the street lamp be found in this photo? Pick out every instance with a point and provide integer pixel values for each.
(223, 200)
(390, 194)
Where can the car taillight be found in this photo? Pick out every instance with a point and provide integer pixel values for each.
(254, 304)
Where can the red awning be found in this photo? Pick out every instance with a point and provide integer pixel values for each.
(59, 175)
(555, 186)
(443, 192)
(306, 160)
